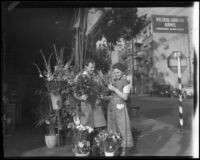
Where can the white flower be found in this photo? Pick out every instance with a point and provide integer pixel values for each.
(76, 120)
(90, 129)
(70, 125)
(47, 122)
(83, 128)
(80, 127)
(80, 144)
(49, 77)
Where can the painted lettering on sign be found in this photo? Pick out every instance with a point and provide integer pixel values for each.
(169, 24)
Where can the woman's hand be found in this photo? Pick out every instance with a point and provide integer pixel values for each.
(84, 97)
(111, 87)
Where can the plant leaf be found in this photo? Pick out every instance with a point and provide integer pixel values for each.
(37, 68)
(61, 53)
(71, 58)
(55, 51)
(45, 62)
(49, 62)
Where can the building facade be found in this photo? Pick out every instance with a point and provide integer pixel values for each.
(153, 51)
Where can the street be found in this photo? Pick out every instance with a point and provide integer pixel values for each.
(158, 120)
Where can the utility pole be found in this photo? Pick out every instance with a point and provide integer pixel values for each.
(132, 66)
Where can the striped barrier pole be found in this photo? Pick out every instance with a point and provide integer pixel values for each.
(180, 90)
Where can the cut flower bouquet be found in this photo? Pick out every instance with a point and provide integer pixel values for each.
(81, 135)
(90, 87)
(108, 141)
(60, 80)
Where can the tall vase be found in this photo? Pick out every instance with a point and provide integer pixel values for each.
(51, 140)
(55, 99)
(109, 154)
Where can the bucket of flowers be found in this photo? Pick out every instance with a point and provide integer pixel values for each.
(81, 135)
(108, 142)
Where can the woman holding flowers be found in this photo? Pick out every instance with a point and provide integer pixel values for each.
(117, 115)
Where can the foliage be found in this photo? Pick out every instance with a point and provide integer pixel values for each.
(108, 141)
(58, 87)
(60, 82)
(68, 111)
(45, 117)
(101, 58)
(61, 79)
(121, 23)
(86, 85)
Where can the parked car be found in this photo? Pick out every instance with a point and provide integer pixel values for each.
(162, 90)
(165, 91)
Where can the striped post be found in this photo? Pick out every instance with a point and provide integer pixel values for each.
(180, 90)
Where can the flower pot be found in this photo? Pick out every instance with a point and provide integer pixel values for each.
(51, 140)
(109, 154)
(55, 99)
(81, 154)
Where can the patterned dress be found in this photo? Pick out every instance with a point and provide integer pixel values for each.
(117, 115)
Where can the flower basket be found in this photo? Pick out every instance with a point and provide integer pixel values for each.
(108, 142)
(109, 154)
(55, 99)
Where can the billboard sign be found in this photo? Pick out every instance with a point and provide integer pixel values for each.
(169, 24)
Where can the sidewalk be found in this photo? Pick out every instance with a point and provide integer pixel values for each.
(157, 119)
(160, 139)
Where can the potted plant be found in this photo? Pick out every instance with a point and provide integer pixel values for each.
(81, 135)
(49, 118)
(108, 142)
(58, 81)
